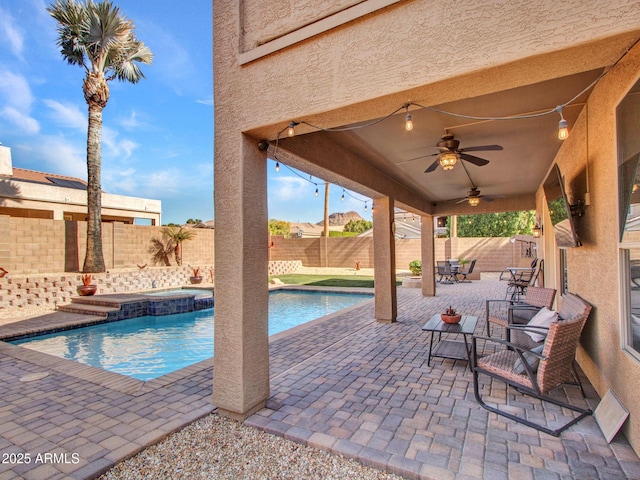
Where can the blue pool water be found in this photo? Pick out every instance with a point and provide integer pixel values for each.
(149, 347)
(198, 292)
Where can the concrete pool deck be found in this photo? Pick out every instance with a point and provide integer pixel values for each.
(352, 386)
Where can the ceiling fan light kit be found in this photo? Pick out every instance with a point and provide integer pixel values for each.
(447, 160)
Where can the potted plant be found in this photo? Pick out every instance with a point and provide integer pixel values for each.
(450, 316)
(416, 267)
(86, 288)
(195, 278)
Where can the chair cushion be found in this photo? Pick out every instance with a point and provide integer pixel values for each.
(542, 319)
(532, 361)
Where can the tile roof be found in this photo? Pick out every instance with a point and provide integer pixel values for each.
(47, 178)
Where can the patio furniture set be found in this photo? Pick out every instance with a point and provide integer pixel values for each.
(449, 270)
(536, 355)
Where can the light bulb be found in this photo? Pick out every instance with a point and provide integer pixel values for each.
(316, 194)
(474, 201)
(563, 130)
(408, 124)
(291, 131)
(448, 160)
(342, 198)
(365, 206)
(277, 166)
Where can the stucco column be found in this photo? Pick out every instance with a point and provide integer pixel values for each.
(427, 249)
(241, 347)
(384, 260)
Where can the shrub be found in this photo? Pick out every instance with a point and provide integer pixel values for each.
(416, 267)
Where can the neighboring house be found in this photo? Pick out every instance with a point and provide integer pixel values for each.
(32, 194)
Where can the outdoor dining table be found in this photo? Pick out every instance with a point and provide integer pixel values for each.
(514, 271)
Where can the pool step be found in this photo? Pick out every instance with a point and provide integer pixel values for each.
(89, 309)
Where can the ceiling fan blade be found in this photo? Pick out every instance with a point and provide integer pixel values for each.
(432, 167)
(417, 158)
(486, 199)
(482, 148)
(465, 199)
(475, 160)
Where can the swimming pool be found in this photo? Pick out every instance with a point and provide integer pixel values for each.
(151, 346)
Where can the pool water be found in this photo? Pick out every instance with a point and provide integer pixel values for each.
(151, 346)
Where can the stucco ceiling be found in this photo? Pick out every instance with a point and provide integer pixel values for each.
(530, 145)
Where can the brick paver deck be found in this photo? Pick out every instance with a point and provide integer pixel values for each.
(349, 385)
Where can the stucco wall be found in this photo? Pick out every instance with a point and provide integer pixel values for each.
(593, 269)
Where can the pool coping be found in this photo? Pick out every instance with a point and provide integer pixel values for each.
(117, 381)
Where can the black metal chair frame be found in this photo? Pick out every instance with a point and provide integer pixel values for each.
(467, 272)
(444, 270)
(524, 389)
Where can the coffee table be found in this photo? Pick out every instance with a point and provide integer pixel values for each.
(450, 348)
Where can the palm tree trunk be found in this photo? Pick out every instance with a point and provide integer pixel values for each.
(178, 253)
(94, 259)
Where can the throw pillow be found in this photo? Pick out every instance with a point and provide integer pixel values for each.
(532, 361)
(542, 319)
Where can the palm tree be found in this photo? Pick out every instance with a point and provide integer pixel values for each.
(161, 250)
(178, 235)
(98, 38)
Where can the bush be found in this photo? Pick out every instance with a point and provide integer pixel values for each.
(416, 267)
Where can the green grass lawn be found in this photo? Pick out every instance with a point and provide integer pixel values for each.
(329, 280)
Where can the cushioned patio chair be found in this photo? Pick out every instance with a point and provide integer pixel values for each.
(534, 373)
(572, 306)
(464, 273)
(508, 312)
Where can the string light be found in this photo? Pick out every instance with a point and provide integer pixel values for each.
(408, 123)
(365, 206)
(316, 194)
(342, 198)
(563, 127)
(277, 166)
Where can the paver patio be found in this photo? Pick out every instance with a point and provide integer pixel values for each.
(348, 385)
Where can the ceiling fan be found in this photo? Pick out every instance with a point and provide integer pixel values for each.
(450, 153)
(474, 197)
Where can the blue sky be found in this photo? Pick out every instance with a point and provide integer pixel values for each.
(157, 135)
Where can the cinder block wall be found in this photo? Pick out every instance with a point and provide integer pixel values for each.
(32, 245)
(492, 254)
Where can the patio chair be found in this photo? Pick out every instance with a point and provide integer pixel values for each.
(464, 273)
(517, 366)
(572, 306)
(510, 312)
(519, 285)
(445, 272)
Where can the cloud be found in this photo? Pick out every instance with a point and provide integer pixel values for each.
(132, 122)
(68, 115)
(285, 188)
(12, 35)
(15, 90)
(61, 155)
(24, 122)
(206, 101)
(115, 147)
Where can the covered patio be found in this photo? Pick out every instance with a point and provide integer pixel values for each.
(348, 385)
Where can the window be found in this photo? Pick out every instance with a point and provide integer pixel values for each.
(628, 137)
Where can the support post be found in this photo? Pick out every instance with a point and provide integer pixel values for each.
(384, 255)
(427, 250)
(241, 342)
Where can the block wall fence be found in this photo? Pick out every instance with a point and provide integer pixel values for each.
(43, 257)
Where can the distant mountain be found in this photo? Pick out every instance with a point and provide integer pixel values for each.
(341, 219)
